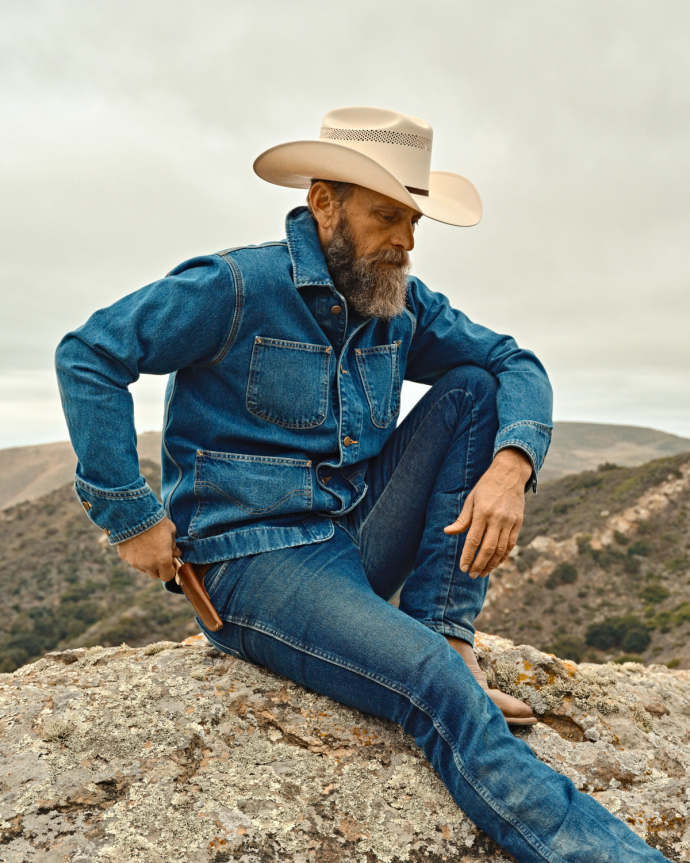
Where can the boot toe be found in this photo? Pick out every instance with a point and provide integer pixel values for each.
(516, 712)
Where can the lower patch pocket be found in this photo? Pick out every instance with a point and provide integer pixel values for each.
(231, 487)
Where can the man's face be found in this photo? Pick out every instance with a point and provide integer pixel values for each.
(366, 250)
(379, 223)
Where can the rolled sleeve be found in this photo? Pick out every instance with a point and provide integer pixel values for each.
(121, 512)
(532, 438)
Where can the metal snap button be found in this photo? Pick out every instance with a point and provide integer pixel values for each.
(348, 441)
(337, 310)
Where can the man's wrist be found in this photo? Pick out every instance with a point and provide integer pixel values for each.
(514, 459)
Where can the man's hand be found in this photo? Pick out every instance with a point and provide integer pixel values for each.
(152, 551)
(493, 512)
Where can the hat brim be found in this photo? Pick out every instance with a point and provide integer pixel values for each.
(452, 198)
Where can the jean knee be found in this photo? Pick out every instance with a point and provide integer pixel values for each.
(481, 385)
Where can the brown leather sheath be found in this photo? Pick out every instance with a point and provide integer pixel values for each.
(194, 590)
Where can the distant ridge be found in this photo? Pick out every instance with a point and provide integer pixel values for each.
(30, 472)
(584, 446)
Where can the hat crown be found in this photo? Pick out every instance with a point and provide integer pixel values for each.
(400, 142)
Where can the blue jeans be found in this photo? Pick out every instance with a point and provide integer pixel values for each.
(318, 614)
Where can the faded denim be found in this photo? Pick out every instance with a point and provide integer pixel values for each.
(318, 615)
(277, 400)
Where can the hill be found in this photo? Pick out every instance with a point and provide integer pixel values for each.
(584, 446)
(63, 586)
(602, 571)
(30, 472)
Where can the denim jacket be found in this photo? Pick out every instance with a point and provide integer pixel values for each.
(277, 395)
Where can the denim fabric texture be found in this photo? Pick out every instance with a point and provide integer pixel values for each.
(318, 615)
(277, 398)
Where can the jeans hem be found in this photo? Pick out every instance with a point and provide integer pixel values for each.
(451, 629)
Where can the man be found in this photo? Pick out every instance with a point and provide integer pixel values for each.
(286, 482)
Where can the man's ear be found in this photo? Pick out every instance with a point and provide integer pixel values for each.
(324, 206)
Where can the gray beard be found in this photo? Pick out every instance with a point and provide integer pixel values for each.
(370, 288)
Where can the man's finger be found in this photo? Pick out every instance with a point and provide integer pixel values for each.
(464, 520)
(166, 571)
(472, 543)
(498, 555)
(486, 552)
(512, 540)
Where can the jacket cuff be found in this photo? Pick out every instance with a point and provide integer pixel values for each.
(121, 512)
(532, 438)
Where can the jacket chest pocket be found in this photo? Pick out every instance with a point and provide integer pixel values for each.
(379, 369)
(288, 383)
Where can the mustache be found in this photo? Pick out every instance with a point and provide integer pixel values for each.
(393, 257)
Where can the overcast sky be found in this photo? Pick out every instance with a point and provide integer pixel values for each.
(129, 130)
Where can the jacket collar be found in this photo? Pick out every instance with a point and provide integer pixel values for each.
(308, 264)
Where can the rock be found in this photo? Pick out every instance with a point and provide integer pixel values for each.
(176, 753)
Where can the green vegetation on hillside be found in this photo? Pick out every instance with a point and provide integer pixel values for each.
(627, 600)
(64, 588)
(574, 503)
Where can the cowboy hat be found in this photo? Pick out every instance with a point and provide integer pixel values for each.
(380, 150)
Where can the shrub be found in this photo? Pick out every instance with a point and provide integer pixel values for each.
(654, 593)
(620, 538)
(628, 657)
(678, 564)
(628, 633)
(636, 640)
(673, 663)
(641, 547)
(569, 647)
(587, 480)
(583, 546)
(607, 465)
(631, 565)
(564, 505)
(564, 573)
(526, 559)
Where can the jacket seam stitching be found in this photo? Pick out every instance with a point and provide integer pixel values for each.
(114, 495)
(531, 423)
(114, 539)
(238, 285)
(168, 500)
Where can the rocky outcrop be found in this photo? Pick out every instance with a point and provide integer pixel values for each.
(177, 753)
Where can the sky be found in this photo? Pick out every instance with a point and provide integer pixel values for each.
(129, 129)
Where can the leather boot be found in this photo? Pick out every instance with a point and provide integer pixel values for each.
(516, 712)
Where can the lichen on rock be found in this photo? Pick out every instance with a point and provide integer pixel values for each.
(177, 753)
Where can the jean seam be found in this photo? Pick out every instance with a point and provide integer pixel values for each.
(456, 537)
(420, 705)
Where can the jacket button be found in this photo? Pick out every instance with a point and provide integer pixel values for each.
(337, 310)
(348, 441)
(86, 505)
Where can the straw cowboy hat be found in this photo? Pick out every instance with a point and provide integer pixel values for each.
(380, 150)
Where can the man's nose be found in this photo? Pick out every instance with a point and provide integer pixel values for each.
(404, 237)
